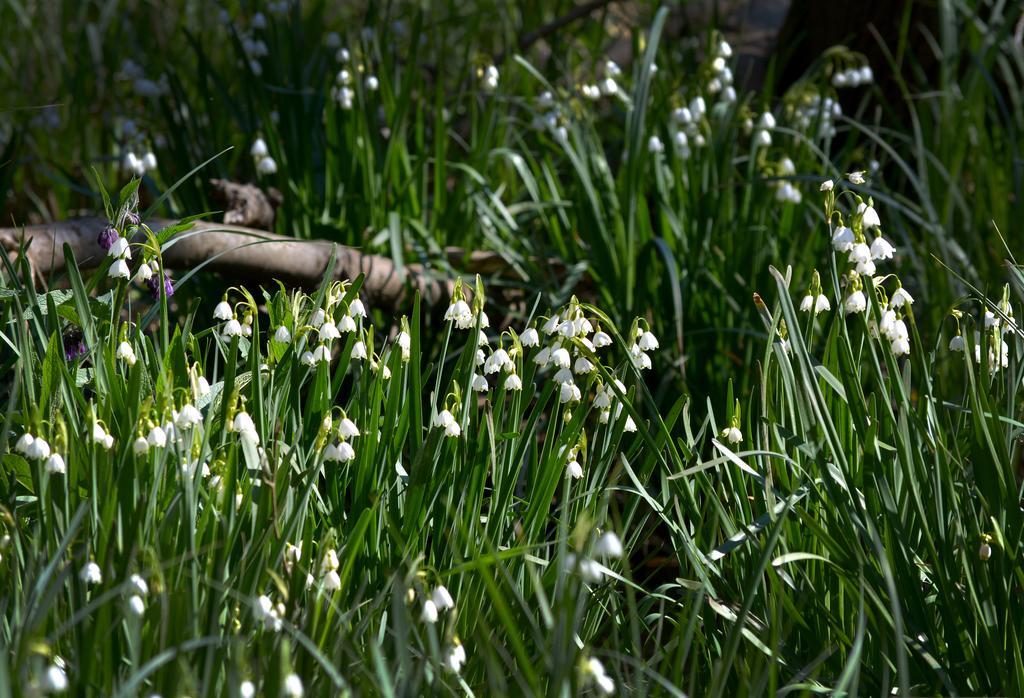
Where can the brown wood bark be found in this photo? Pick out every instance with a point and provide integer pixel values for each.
(245, 254)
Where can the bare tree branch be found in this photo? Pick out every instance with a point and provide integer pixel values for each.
(244, 254)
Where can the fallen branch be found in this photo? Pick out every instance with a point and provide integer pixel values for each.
(245, 204)
(244, 254)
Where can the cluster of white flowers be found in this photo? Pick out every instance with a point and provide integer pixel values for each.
(243, 425)
(607, 87)
(329, 577)
(323, 328)
(440, 600)
(265, 165)
(139, 166)
(342, 451)
(815, 300)
(225, 313)
(593, 673)
(455, 655)
(690, 127)
(645, 341)
(120, 251)
(785, 191)
(37, 448)
(811, 109)
(446, 420)
(173, 429)
(721, 74)
(762, 136)
(854, 76)
(137, 590)
(689, 123)
(853, 240)
(607, 546)
(268, 613)
(461, 315)
(550, 118)
(997, 326)
(254, 48)
(565, 343)
(892, 327)
(142, 86)
(607, 401)
(341, 91)
(100, 435)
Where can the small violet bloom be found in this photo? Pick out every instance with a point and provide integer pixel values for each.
(154, 287)
(107, 237)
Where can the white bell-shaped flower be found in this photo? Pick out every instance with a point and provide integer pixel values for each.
(900, 298)
(293, 687)
(870, 217)
(90, 574)
(119, 270)
(429, 613)
(55, 465)
(223, 311)
(560, 358)
(855, 303)
(39, 449)
(648, 342)
(232, 328)
(125, 353)
(881, 248)
(347, 429)
(843, 239)
(23, 443)
(574, 469)
(732, 435)
(328, 332)
(156, 437)
(259, 149)
(608, 545)
(442, 598)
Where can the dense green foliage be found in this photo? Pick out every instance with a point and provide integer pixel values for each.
(722, 487)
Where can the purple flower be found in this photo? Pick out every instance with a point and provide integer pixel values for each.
(108, 236)
(133, 218)
(154, 288)
(74, 345)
